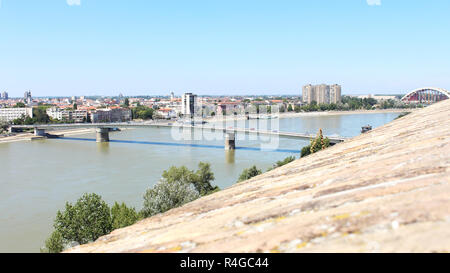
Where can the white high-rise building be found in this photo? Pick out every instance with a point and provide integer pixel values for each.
(335, 93)
(188, 104)
(27, 97)
(322, 94)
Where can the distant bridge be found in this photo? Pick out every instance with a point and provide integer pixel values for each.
(104, 128)
(426, 95)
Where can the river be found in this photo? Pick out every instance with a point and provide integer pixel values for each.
(38, 177)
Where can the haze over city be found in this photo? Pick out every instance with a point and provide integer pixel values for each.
(85, 47)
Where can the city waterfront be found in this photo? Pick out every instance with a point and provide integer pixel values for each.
(38, 177)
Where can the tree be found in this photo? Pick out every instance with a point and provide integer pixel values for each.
(40, 115)
(3, 126)
(166, 195)
(54, 244)
(317, 144)
(85, 221)
(289, 109)
(178, 186)
(126, 103)
(142, 112)
(123, 216)
(20, 105)
(249, 173)
(203, 178)
(286, 161)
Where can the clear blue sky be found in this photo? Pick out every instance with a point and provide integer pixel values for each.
(105, 47)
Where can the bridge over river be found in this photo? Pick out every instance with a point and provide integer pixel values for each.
(104, 128)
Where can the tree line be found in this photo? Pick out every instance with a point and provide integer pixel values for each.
(91, 217)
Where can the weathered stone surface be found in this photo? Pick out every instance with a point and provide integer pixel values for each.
(384, 191)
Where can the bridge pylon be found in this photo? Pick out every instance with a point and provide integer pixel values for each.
(230, 140)
(102, 135)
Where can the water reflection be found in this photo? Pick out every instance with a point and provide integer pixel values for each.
(230, 156)
(103, 147)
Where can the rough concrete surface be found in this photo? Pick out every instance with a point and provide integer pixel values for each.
(384, 191)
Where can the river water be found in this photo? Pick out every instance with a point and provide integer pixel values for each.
(38, 177)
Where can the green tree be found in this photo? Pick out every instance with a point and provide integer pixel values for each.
(178, 186)
(40, 116)
(123, 216)
(317, 144)
(126, 103)
(54, 244)
(249, 173)
(203, 178)
(20, 105)
(85, 221)
(286, 161)
(166, 195)
(142, 112)
(289, 109)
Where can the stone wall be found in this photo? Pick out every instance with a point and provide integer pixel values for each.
(384, 191)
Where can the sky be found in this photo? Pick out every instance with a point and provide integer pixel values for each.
(222, 47)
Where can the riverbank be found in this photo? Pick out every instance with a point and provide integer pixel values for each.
(384, 191)
(72, 132)
(29, 136)
(314, 114)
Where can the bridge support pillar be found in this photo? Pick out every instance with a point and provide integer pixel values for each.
(230, 141)
(102, 134)
(39, 132)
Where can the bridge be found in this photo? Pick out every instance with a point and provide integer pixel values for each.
(426, 95)
(103, 130)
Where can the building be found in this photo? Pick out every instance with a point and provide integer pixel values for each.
(188, 104)
(321, 94)
(111, 115)
(68, 115)
(166, 113)
(27, 97)
(308, 94)
(335, 93)
(10, 114)
(4, 96)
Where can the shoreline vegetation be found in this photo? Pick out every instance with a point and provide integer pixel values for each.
(72, 132)
(91, 218)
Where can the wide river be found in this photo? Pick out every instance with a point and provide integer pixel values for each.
(38, 177)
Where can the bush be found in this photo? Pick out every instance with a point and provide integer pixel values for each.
(203, 178)
(286, 161)
(122, 216)
(249, 173)
(317, 144)
(178, 186)
(85, 221)
(166, 195)
(54, 244)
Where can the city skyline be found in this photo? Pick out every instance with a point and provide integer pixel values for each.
(65, 48)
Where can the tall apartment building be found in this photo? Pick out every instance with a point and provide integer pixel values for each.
(188, 104)
(4, 96)
(321, 93)
(335, 93)
(10, 114)
(27, 97)
(308, 94)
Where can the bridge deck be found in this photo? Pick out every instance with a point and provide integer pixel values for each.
(332, 139)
